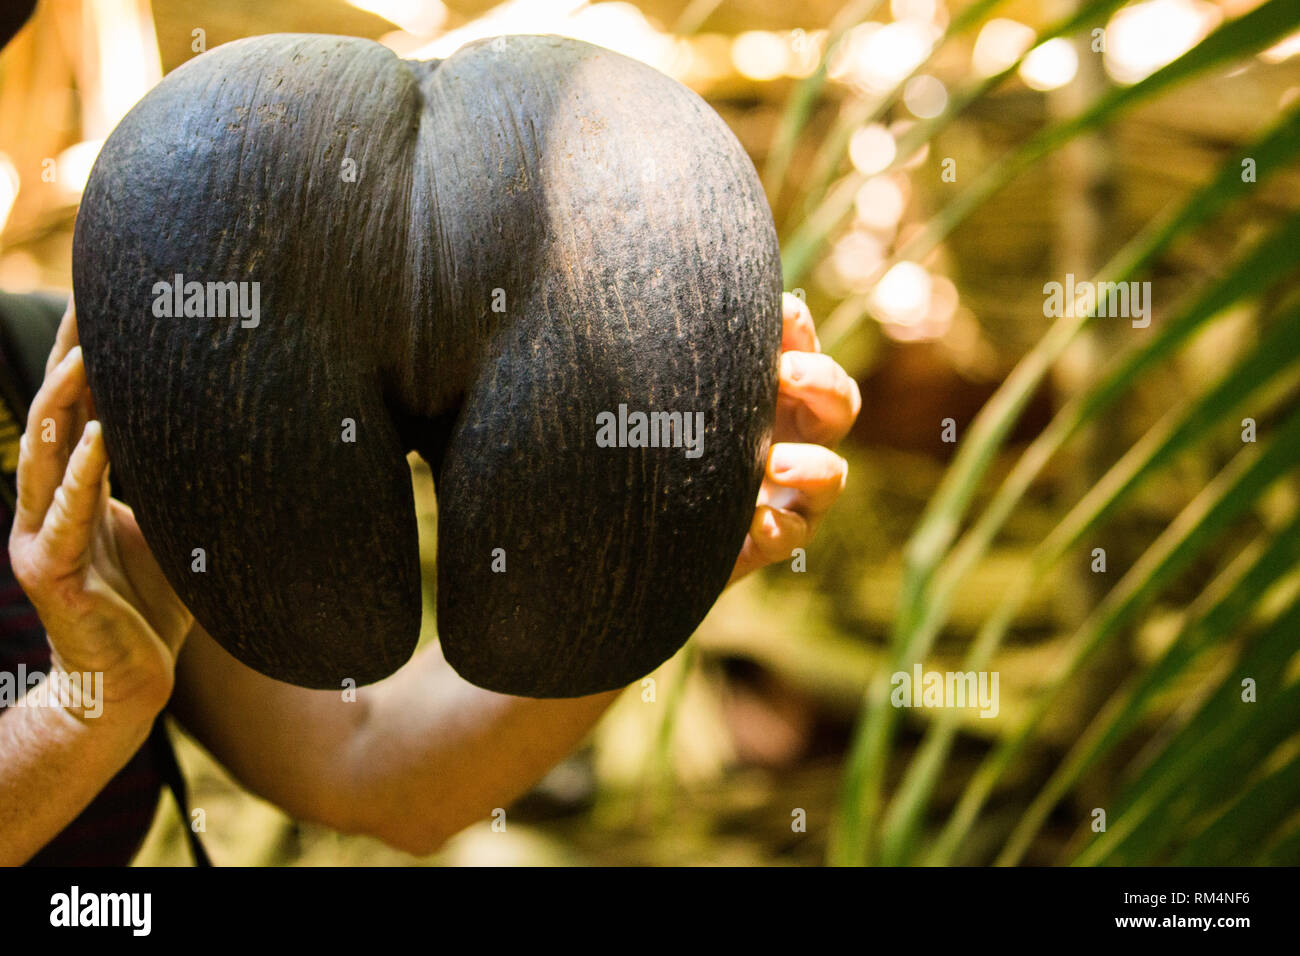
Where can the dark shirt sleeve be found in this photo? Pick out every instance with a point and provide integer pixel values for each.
(13, 14)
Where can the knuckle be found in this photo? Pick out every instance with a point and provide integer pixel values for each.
(33, 575)
(59, 506)
(23, 571)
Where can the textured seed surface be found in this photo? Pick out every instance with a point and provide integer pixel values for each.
(609, 211)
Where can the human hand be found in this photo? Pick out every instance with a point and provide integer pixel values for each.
(79, 554)
(816, 406)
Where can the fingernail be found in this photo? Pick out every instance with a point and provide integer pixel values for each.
(783, 460)
(74, 355)
(783, 498)
(89, 432)
(793, 366)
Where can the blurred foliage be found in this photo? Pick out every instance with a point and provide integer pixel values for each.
(1218, 783)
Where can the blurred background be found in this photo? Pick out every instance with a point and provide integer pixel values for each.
(1102, 514)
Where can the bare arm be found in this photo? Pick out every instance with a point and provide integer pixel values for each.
(414, 759)
(53, 763)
